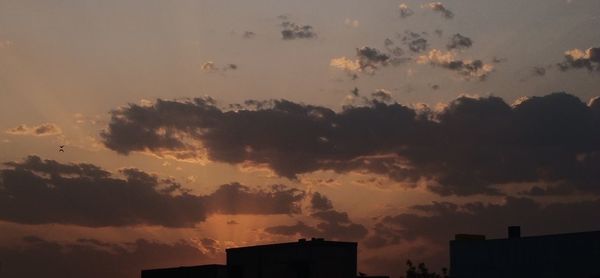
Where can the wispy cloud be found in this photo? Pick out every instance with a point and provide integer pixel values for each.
(35, 130)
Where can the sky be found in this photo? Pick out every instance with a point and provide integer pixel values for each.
(193, 126)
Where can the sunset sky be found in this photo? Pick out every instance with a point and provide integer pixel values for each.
(192, 126)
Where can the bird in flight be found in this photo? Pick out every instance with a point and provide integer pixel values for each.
(61, 148)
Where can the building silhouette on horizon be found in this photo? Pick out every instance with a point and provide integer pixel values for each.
(315, 258)
(572, 255)
(199, 271)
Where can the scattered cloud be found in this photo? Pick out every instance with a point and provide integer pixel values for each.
(396, 52)
(581, 59)
(368, 60)
(212, 67)
(538, 71)
(371, 58)
(346, 64)
(292, 31)
(458, 41)
(248, 35)
(320, 202)
(332, 224)
(36, 130)
(469, 69)
(470, 146)
(440, 8)
(405, 11)
(383, 96)
(416, 42)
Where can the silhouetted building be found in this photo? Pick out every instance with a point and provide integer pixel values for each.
(201, 271)
(575, 255)
(314, 258)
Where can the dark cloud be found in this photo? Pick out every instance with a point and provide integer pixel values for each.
(38, 191)
(472, 146)
(440, 8)
(458, 41)
(37, 257)
(320, 202)
(415, 41)
(239, 199)
(498, 60)
(382, 96)
(248, 35)
(581, 59)
(292, 31)
(538, 71)
(36, 130)
(394, 50)
(333, 225)
(371, 58)
(290, 230)
(439, 221)
(418, 45)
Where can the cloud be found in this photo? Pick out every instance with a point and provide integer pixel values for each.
(538, 71)
(394, 51)
(95, 259)
(212, 67)
(37, 191)
(458, 41)
(577, 59)
(467, 68)
(292, 31)
(440, 8)
(320, 202)
(239, 199)
(332, 225)
(418, 45)
(439, 221)
(248, 35)
(433, 225)
(370, 56)
(368, 60)
(36, 130)
(405, 11)
(209, 67)
(346, 64)
(351, 23)
(383, 96)
(415, 41)
(472, 146)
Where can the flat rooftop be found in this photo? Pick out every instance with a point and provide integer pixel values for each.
(473, 238)
(301, 242)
